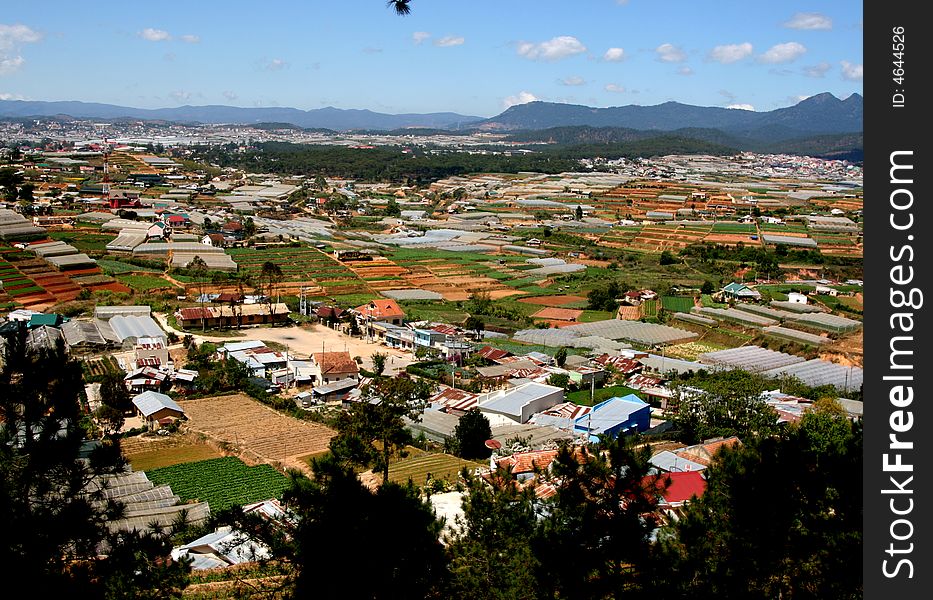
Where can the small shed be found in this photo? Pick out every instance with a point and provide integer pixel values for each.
(153, 406)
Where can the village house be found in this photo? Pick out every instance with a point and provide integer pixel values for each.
(157, 409)
(327, 367)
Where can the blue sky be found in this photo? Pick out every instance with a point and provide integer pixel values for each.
(476, 57)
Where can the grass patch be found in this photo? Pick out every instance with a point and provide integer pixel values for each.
(582, 397)
(116, 267)
(439, 466)
(677, 303)
(144, 283)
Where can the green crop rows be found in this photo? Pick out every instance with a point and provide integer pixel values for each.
(221, 482)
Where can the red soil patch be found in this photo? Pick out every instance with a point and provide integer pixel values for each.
(110, 287)
(557, 300)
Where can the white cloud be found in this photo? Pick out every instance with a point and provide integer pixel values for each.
(180, 95)
(730, 53)
(448, 41)
(797, 99)
(817, 70)
(622, 2)
(12, 37)
(522, 97)
(572, 80)
(614, 88)
(851, 71)
(741, 107)
(9, 96)
(10, 64)
(553, 49)
(155, 35)
(190, 38)
(420, 36)
(614, 55)
(230, 95)
(782, 53)
(809, 21)
(670, 53)
(685, 70)
(276, 64)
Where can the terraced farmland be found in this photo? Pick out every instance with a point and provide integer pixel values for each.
(221, 482)
(302, 267)
(255, 429)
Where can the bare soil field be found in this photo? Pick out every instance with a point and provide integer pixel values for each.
(557, 300)
(256, 432)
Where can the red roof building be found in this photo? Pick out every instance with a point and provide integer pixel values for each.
(381, 309)
(683, 486)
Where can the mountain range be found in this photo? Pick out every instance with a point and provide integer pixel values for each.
(821, 125)
(326, 118)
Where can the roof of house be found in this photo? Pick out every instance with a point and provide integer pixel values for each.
(703, 453)
(382, 308)
(490, 353)
(151, 402)
(38, 320)
(668, 461)
(683, 486)
(336, 386)
(610, 413)
(190, 314)
(513, 400)
(335, 362)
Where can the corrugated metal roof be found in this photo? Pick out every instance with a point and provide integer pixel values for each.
(126, 327)
(151, 402)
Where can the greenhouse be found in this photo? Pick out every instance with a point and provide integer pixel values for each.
(826, 322)
(750, 358)
(794, 335)
(736, 316)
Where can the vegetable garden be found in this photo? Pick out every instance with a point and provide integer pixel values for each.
(221, 482)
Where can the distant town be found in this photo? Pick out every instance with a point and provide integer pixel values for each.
(685, 324)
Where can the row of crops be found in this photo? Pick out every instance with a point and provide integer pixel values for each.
(221, 482)
(14, 282)
(297, 264)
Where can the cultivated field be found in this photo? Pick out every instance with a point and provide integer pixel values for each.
(146, 453)
(256, 431)
(221, 482)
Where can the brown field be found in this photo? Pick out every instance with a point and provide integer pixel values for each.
(731, 238)
(255, 431)
(558, 300)
(151, 452)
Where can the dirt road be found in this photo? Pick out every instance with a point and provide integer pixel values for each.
(304, 340)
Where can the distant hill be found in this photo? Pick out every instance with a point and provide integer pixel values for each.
(321, 118)
(820, 114)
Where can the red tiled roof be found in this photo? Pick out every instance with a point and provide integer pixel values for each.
(683, 486)
(442, 328)
(703, 453)
(526, 462)
(335, 362)
(188, 314)
(382, 309)
(490, 353)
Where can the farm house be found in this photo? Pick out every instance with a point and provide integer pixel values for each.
(615, 417)
(153, 407)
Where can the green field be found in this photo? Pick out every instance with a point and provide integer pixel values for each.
(144, 283)
(221, 482)
(84, 242)
(677, 303)
(582, 397)
(116, 267)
